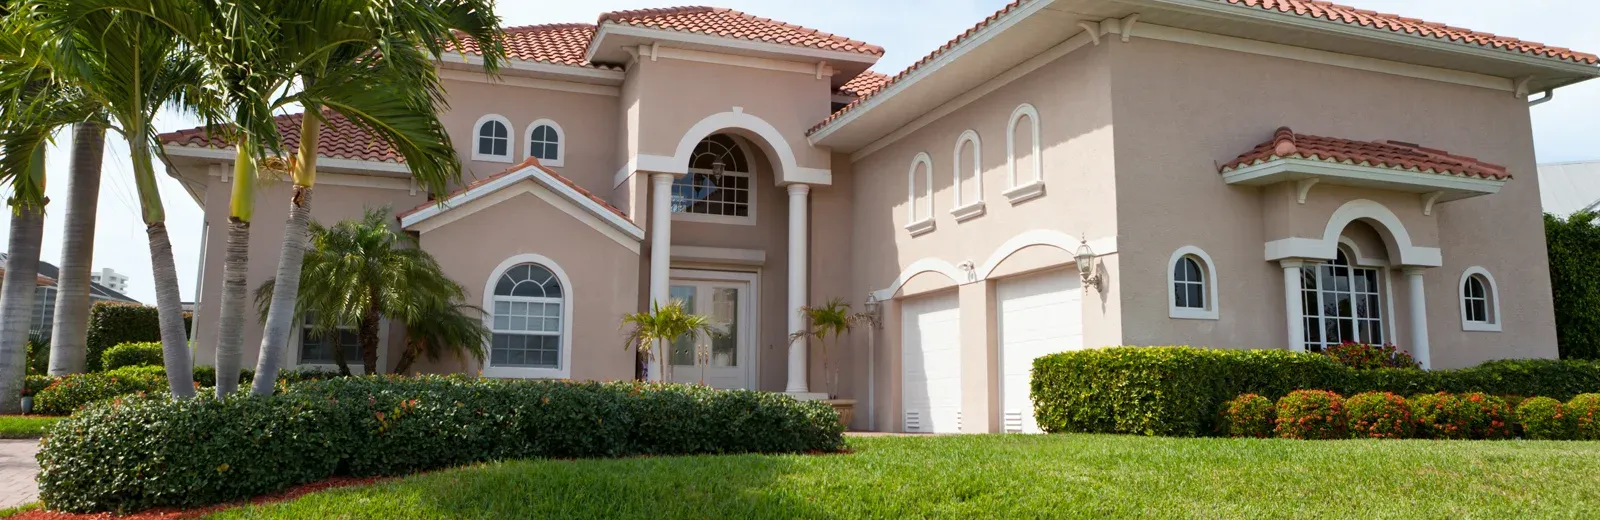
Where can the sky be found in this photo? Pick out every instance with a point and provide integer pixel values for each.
(1563, 129)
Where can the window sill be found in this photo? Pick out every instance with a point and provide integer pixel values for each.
(714, 219)
(1478, 326)
(967, 212)
(1181, 313)
(526, 373)
(1026, 192)
(920, 227)
(492, 158)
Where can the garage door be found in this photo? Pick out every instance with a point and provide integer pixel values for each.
(930, 350)
(1039, 314)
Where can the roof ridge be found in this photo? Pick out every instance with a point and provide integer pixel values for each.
(629, 14)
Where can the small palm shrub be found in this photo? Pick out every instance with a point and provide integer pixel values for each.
(1311, 414)
(1543, 418)
(1248, 415)
(143, 353)
(1585, 410)
(1363, 356)
(1472, 415)
(1379, 415)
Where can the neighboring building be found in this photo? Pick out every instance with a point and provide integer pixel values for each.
(44, 298)
(1566, 188)
(114, 280)
(751, 167)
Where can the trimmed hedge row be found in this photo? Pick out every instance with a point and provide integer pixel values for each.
(142, 452)
(1320, 414)
(135, 354)
(63, 395)
(1177, 390)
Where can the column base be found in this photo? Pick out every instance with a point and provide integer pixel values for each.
(808, 396)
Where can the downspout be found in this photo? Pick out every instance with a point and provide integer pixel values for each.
(1549, 94)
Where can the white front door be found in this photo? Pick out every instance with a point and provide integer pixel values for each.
(725, 359)
(1039, 314)
(930, 350)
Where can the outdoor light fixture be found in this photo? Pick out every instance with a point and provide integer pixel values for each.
(717, 168)
(1086, 265)
(874, 310)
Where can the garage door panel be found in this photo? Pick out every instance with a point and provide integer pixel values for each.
(931, 363)
(1039, 314)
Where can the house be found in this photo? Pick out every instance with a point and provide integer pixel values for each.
(1568, 187)
(1066, 174)
(44, 298)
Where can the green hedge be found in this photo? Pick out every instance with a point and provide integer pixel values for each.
(1574, 252)
(112, 323)
(1179, 390)
(68, 393)
(147, 452)
(143, 353)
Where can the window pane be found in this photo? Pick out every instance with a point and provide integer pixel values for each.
(1180, 296)
(551, 152)
(499, 147)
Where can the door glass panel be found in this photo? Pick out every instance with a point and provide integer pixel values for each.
(725, 311)
(683, 348)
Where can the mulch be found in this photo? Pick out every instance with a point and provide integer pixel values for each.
(172, 514)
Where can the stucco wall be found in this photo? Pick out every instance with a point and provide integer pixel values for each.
(589, 122)
(1181, 110)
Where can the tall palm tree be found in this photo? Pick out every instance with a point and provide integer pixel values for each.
(69, 337)
(17, 291)
(665, 325)
(372, 62)
(358, 272)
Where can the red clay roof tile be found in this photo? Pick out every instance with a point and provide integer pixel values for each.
(863, 84)
(339, 139)
(728, 23)
(557, 44)
(1396, 155)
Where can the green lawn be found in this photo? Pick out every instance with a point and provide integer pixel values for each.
(25, 426)
(1059, 476)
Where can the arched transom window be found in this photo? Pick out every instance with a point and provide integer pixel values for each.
(493, 139)
(529, 303)
(719, 186)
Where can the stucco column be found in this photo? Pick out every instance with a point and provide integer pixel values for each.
(798, 195)
(1292, 303)
(660, 257)
(980, 358)
(1419, 316)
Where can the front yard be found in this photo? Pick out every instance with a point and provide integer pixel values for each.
(1013, 476)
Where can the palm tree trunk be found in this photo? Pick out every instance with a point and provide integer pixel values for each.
(236, 271)
(368, 334)
(169, 307)
(16, 301)
(286, 287)
(69, 337)
(407, 358)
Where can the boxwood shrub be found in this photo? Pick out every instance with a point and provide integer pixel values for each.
(135, 453)
(132, 354)
(1179, 390)
(1544, 418)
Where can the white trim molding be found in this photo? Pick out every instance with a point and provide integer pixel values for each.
(570, 201)
(977, 273)
(601, 75)
(961, 211)
(1491, 290)
(770, 141)
(718, 255)
(561, 143)
(1208, 273)
(477, 133)
(568, 293)
(1023, 110)
(1401, 250)
(1448, 187)
(527, 82)
(925, 265)
(918, 226)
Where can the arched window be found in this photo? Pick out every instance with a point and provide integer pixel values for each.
(547, 142)
(530, 304)
(1191, 285)
(919, 187)
(1341, 302)
(720, 185)
(1480, 301)
(1027, 179)
(493, 139)
(967, 172)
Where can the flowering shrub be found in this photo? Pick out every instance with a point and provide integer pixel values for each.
(1362, 356)
(1379, 415)
(1472, 415)
(1544, 418)
(68, 393)
(1585, 410)
(1311, 414)
(1248, 415)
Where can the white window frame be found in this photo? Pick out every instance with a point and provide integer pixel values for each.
(511, 145)
(749, 220)
(974, 208)
(1385, 308)
(1208, 275)
(924, 225)
(1491, 292)
(1019, 191)
(356, 365)
(564, 368)
(561, 143)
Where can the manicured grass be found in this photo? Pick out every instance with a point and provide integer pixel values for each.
(1058, 476)
(25, 426)
(14, 511)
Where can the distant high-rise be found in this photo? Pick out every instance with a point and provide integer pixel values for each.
(114, 280)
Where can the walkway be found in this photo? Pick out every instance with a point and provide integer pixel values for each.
(17, 468)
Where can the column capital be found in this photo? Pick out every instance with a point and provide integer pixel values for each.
(798, 189)
(662, 178)
(1414, 270)
(1294, 263)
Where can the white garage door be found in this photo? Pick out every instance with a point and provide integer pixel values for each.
(1039, 314)
(930, 350)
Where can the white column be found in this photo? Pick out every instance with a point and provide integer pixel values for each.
(1419, 316)
(660, 256)
(1292, 304)
(797, 286)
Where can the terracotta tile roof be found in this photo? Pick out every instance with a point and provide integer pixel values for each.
(1396, 155)
(556, 44)
(863, 84)
(1412, 26)
(339, 139)
(39, 279)
(728, 23)
(918, 65)
(531, 161)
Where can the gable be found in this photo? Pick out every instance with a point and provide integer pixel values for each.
(508, 187)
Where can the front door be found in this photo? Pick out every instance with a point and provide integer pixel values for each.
(725, 359)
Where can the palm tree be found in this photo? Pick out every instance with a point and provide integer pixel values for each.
(449, 329)
(372, 62)
(665, 325)
(358, 272)
(70, 328)
(828, 323)
(17, 291)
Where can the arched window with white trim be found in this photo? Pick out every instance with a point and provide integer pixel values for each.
(1024, 163)
(529, 300)
(1191, 285)
(919, 194)
(546, 141)
(967, 174)
(492, 139)
(1480, 301)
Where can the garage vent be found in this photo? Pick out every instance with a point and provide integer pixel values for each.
(1013, 421)
(913, 422)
